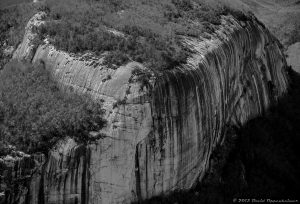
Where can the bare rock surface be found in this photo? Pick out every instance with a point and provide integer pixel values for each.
(293, 58)
(16, 170)
(27, 48)
(160, 135)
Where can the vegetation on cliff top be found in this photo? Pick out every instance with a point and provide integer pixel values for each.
(13, 19)
(152, 28)
(13, 22)
(35, 113)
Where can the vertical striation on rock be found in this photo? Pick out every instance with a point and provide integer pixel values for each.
(228, 81)
(160, 136)
(27, 48)
(16, 171)
(64, 177)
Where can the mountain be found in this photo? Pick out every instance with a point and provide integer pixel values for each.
(168, 106)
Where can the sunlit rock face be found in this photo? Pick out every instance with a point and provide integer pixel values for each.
(65, 176)
(16, 170)
(228, 81)
(160, 135)
(293, 59)
(26, 49)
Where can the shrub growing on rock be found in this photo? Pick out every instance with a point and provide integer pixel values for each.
(152, 29)
(35, 113)
(13, 19)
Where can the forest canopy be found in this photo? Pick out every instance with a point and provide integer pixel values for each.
(146, 31)
(35, 113)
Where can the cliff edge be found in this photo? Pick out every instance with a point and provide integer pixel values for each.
(162, 125)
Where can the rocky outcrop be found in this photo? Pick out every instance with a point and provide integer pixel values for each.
(16, 170)
(162, 130)
(28, 47)
(293, 53)
(63, 178)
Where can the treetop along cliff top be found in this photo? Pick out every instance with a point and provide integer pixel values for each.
(146, 31)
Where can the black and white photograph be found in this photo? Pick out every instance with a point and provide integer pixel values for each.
(149, 101)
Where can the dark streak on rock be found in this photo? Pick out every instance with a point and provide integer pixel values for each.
(137, 173)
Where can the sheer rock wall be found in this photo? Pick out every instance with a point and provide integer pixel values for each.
(160, 135)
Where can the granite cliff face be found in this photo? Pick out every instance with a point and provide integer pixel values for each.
(16, 170)
(160, 134)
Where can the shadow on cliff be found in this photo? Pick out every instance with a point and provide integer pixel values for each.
(257, 161)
